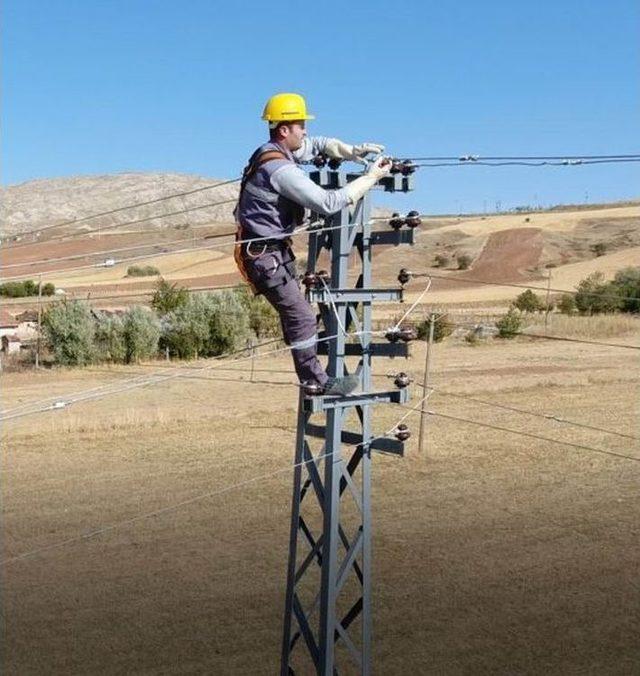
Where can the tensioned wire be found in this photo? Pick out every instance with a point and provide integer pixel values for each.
(75, 221)
(197, 498)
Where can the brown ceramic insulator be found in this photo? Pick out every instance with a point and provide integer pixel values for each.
(401, 380)
(413, 219)
(396, 221)
(402, 432)
(404, 276)
(407, 335)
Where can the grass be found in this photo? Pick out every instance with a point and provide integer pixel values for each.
(595, 327)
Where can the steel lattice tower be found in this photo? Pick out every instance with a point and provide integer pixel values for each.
(327, 619)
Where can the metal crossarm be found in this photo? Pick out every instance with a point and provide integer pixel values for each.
(327, 619)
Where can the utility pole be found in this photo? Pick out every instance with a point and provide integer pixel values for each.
(425, 386)
(39, 321)
(547, 309)
(327, 617)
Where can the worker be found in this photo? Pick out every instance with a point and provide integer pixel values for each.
(274, 194)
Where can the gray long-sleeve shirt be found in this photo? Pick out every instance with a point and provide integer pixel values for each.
(293, 183)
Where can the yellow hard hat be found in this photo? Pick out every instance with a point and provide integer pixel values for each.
(285, 107)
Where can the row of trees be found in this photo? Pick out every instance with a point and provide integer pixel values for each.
(594, 295)
(25, 288)
(178, 323)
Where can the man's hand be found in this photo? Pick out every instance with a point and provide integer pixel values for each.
(380, 168)
(337, 149)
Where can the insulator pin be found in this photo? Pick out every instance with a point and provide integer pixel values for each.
(413, 219)
(401, 380)
(396, 221)
(402, 432)
(404, 276)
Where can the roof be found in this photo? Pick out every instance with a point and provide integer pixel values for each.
(7, 319)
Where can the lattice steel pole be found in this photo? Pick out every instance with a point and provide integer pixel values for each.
(330, 538)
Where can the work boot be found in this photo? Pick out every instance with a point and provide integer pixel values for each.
(341, 386)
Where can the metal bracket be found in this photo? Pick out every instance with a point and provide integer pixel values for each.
(322, 295)
(319, 404)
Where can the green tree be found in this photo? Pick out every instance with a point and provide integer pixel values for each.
(509, 325)
(185, 330)
(567, 304)
(69, 329)
(627, 282)
(263, 319)
(109, 339)
(527, 301)
(599, 249)
(442, 328)
(168, 297)
(228, 320)
(48, 289)
(141, 333)
(442, 261)
(595, 295)
(464, 261)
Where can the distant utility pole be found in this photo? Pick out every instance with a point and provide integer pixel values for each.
(425, 386)
(39, 321)
(547, 308)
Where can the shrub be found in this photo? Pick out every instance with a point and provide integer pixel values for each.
(464, 261)
(142, 271)
(442, 261)
(599, 249)
(109, 339)
(48, 289)
(567, 304)
(527, 301)
(627, 283)
(263, 319)
(168, 297)
(69, 329)
(141, 334)
(19, 289)
(185, 330)
(509, 325)
(594, 295)
(228, 323)
(441, 328)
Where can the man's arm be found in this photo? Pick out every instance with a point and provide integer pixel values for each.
(334, 147)
(291, 182)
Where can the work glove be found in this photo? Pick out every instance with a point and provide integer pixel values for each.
(337, 149)
(377, 170)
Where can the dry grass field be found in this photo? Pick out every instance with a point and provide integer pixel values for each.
(493, 553)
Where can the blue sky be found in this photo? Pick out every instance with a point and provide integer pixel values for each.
(95, 87)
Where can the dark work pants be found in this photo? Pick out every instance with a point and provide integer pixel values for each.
(273, 275)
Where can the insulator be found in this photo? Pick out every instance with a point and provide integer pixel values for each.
(309, 279)
(334, 163)
(396, 221)
(322, 275)
(407, 168)
(404, 276)
(407, 335)
(392, 335)
(312, 389)
(402, 432)
(401, 380)
(413, 219)
(396, 166)
(320, 161)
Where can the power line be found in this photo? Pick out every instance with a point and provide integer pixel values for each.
(75, 221)
(474, 158)
(197, 498)
(134, 222)
(546, 416)
(473, 280)
(530, 435)
(112, 251)
(525, 163)
(52, 300)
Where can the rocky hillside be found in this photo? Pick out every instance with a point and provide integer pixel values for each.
(36, 204)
